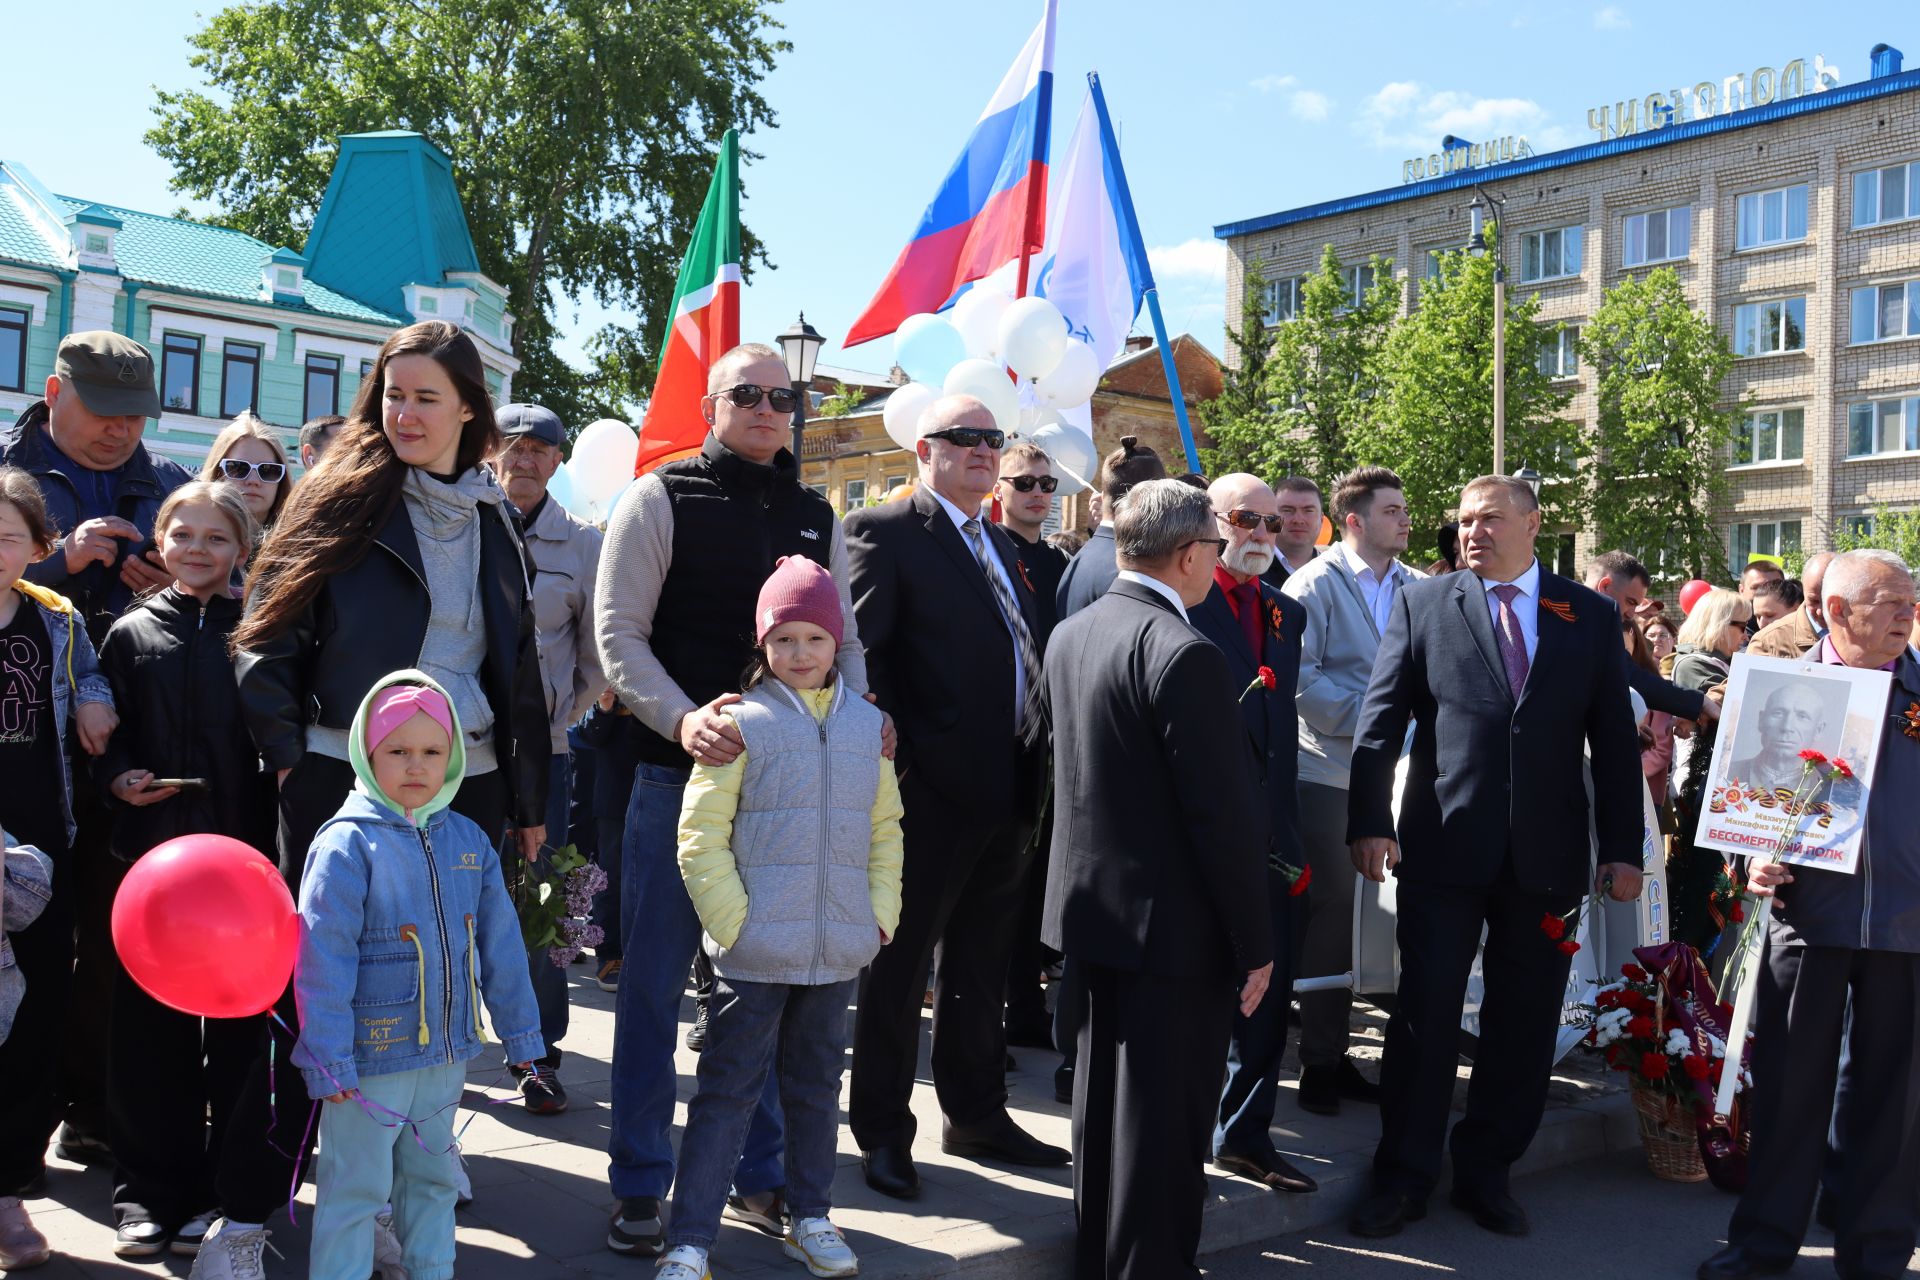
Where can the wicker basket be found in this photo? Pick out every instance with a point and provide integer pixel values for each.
(1667, 1132)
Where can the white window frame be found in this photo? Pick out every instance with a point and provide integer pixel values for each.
(1891, 417)
(1569, 246)
(1287, 287)
(1773, 532)
(1560, 354)
(1359, 280)
(1747, 432)
(1676, 224)
(1753, 315)
(853, 503)
(1756, 203)
(1870, 296)
(1870, 187)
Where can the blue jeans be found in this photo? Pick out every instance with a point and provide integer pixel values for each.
(549, 979)
(658, 919)
(751, 1026)
(1245, 1115)
(364, 1163)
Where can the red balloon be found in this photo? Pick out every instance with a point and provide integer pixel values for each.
(205, 925)
(1690, 594)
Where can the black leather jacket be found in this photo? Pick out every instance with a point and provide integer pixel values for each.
(371, 620)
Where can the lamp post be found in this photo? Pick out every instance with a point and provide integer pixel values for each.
(1477, 247)
(800, 348)
(1531, 478)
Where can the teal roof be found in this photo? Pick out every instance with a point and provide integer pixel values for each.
(21, 239)
(391, 216)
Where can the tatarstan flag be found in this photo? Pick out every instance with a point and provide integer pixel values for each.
(705, 323)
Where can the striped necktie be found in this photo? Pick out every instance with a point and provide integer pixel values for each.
(1029, 726)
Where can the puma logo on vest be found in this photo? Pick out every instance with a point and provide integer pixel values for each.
(812, 534)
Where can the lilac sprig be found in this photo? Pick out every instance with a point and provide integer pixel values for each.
(553, 902)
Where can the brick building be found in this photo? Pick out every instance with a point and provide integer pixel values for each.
(1795, 224)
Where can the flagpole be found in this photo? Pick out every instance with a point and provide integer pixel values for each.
(1042, 127)
(1131, 230)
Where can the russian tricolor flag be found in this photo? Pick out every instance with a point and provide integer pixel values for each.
(982, 216)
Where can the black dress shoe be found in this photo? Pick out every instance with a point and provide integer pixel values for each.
(1320, 1090)
(1353, 1086)
(1383, 1214)
(1734, 1262)
(1063, 1083)
(890, 1171)
(999, 1138)
(1024, 1033)
(1270, 1170)
(1496, 1211)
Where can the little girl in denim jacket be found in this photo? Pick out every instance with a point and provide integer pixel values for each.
(405, 928)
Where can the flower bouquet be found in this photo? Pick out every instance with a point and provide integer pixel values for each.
(554, 899)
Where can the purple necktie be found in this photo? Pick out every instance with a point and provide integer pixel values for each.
(1513, 645)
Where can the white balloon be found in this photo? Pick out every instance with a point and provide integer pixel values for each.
(988, 383)
(1070, 382)
(1075, 459)
(1033, 337)
(901, 414)
(602, 461)
(977, 317)
(926, 346)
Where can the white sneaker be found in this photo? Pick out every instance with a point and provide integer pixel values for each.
(819, 1244)
(684, 1262)
(386, 1248)
(232, 1255)
(21, 1244)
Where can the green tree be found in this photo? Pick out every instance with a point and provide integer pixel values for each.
(582, 134)
(843, 401)
(1895, 531)
(1435, 427)
(1660, 442)
(1241, 421)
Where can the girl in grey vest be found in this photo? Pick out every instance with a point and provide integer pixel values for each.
(792, 857)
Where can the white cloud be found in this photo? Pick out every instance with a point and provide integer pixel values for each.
(1611, 18)
(1270, 84)
(1198, 261)
(1310, 104)
(1407, 115)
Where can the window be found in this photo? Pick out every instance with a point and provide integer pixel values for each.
(1436, 260)
(13, 349)
(1560, 353)
(1886, 311)
(323, 387)
(1662, 236)
(1859, 526)
(1886, 195)
(429, 305)
(1359, 281)
(286, 280)
(1283, 300)
(1773, 217)
(1766, 328)
(1550, 255)
(1883, 426)
(856, 495)
(1768, 538)
(366, 367)
(240, 379)
(180, 373)
(1770, 435)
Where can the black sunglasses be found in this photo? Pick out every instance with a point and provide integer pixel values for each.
(269, 472)
(1219, 545)
(1025, 483)
(968, 437)
(1250, 520)
(747, 395)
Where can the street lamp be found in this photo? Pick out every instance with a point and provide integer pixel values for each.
(1477, 247)
(1531, 478)
(800, 347)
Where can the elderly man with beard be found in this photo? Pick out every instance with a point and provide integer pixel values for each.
(1259, 631)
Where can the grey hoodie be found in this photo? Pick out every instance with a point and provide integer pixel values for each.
(445, 522)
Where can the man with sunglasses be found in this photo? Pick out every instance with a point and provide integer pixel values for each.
(687, 550)
(953, 652)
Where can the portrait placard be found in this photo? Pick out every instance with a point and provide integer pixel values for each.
(1758, 785)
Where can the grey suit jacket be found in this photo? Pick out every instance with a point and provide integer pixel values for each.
(1336, 660)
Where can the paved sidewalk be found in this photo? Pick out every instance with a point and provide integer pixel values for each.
(542, 1200)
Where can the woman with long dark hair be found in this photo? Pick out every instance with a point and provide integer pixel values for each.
(398, 550)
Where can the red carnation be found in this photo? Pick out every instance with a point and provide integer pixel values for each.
(1301, 882)
(1654, 1066)
(1267, 677)
(1696, 1067)
(1553, 926)
(1842, 768)
(1613, 1057)
(1739, 913)
(1640, 1027)
(1813, 757)
(1633, 973)
(1568, 946)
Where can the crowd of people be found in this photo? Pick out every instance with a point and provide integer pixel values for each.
(925, 755)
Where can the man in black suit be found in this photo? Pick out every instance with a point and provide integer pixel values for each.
(1156, 888)
(1092, 569)
(1622, 579)
(1255, 627)
(1509, 674)
(949, 625)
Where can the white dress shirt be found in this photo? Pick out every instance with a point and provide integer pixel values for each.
(1525, 606)
(1166, 592)
(1377, 591)
(999, 571)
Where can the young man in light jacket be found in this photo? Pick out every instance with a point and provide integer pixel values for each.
(1348, 594)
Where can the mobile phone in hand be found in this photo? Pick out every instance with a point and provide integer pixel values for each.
(181, 784)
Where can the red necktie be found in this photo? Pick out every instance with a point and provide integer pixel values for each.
(1249, 593)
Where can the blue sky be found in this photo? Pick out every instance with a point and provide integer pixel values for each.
(1226, 109)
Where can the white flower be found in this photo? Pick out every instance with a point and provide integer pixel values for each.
(1677, 1042)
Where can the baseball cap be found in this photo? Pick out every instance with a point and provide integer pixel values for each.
(113, 374)
(532, 420)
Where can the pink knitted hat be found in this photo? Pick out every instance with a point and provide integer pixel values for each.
(798, 590)
(397, 704)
